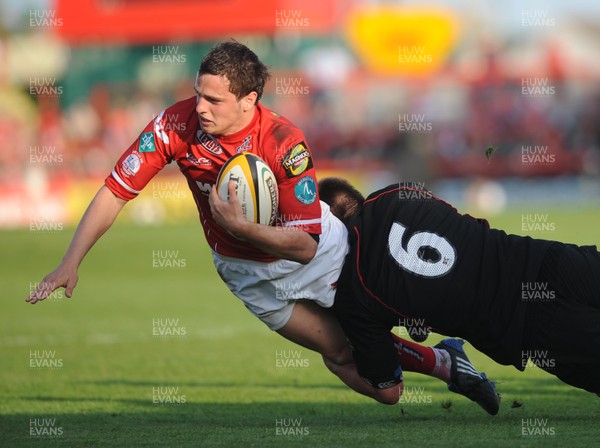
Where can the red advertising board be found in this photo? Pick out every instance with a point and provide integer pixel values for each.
(143, 21)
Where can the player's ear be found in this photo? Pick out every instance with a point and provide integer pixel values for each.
(249, 101)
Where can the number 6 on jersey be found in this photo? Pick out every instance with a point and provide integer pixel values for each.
(413, 258)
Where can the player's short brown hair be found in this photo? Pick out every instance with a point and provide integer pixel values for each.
(239, 65)
(343, 199)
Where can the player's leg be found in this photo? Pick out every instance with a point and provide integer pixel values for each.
(449, 362)
(317, 329)
(574, 271)
(307, 323)
(418, 358)
(565, 341)
(565, 322)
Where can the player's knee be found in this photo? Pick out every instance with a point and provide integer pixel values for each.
(338, 358)
(333, 364)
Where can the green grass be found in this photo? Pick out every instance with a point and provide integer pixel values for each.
(224, 366)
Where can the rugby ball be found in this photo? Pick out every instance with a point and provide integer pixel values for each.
(256, 187)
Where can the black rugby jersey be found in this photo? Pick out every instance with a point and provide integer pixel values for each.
(414, 258)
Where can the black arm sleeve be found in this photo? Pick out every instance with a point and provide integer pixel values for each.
(375, 354)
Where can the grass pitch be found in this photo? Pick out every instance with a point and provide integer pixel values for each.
(152, 353)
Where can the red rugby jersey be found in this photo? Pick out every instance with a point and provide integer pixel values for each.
(175, 135)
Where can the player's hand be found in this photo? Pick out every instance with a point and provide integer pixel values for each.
(228, 214)
(62, 276)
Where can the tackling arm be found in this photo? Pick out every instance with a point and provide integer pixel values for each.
(97, 219)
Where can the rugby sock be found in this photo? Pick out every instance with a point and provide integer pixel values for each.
(443, 365)
(421, 359)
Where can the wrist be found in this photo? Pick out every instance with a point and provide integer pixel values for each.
(70, 264)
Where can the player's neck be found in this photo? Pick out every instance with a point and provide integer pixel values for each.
(241, 126)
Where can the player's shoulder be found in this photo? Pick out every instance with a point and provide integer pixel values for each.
(279, 128)
(389, 192)
(176, 121)
(282, 140)
(185, 107)
(272, 118)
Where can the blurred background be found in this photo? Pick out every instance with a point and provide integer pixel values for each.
(487, 104)
(493, 106)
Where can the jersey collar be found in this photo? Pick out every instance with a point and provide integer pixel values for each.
(239, 135)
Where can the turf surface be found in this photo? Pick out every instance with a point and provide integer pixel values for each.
(216, 376)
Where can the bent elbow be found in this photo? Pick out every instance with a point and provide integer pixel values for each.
(306, 255)
(306, 258)
(388, 400)
(389, 396)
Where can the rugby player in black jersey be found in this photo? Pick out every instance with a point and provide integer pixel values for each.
(413, 256)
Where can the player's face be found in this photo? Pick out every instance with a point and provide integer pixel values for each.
(219, 111)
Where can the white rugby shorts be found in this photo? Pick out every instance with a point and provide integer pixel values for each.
(269, 290)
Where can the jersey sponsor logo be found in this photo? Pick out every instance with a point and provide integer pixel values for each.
(209, 143)
(131, 164)
(245, 146)
(147, 142)
(386, 384)
(306, 190)
(198, 161)
(159, 128)
(297, 160)
(415, 354)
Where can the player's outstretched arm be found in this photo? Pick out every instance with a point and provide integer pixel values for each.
(97, 219)
(293, 244)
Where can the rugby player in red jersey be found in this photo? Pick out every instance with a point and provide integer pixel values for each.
(200, 134)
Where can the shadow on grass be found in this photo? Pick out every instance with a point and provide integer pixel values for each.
(104, 419)
(209, 384)
(547, 386)
(276, 424)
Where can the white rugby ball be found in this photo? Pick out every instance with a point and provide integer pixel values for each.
(256, 187)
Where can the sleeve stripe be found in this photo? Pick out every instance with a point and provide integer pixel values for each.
(302, 222)
(122, 183)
